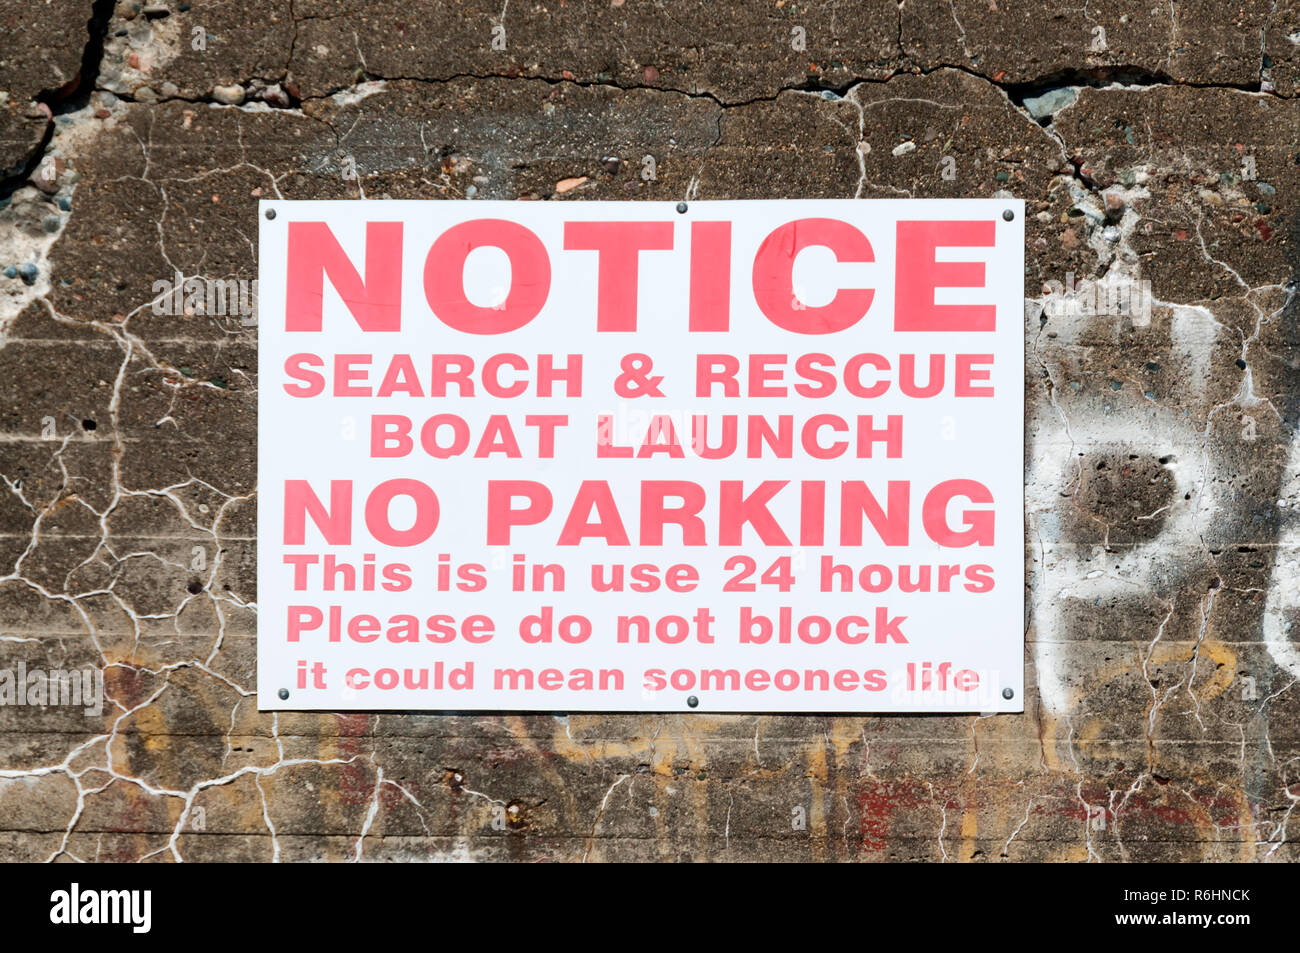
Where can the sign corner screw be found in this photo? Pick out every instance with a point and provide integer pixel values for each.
(1008, 693)
(270, 213)
(1008, 215)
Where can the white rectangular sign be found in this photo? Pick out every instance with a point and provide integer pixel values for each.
(572, 456)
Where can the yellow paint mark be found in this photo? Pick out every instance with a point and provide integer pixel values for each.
(1089, 732)
(152, 726)
(1051, 757)
(1246, 824)
(699, 761)
(1224, 670)
(816, 808)
(970, 827)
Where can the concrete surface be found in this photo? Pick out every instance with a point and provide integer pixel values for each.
(1163, 548)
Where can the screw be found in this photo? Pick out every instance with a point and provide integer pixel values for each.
(1008, 215)
(693, 702)
(284, 693)
(1008, 693)
(270, 213)
(681, 206)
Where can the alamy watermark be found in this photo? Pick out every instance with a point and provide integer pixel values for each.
(133, 908)
(41, 688)
(1113, 296)
(212, 297)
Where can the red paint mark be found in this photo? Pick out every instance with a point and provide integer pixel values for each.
(877, 801)
(124, 685)
(356, 785)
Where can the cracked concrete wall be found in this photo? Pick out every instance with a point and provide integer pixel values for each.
(1163, 551)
